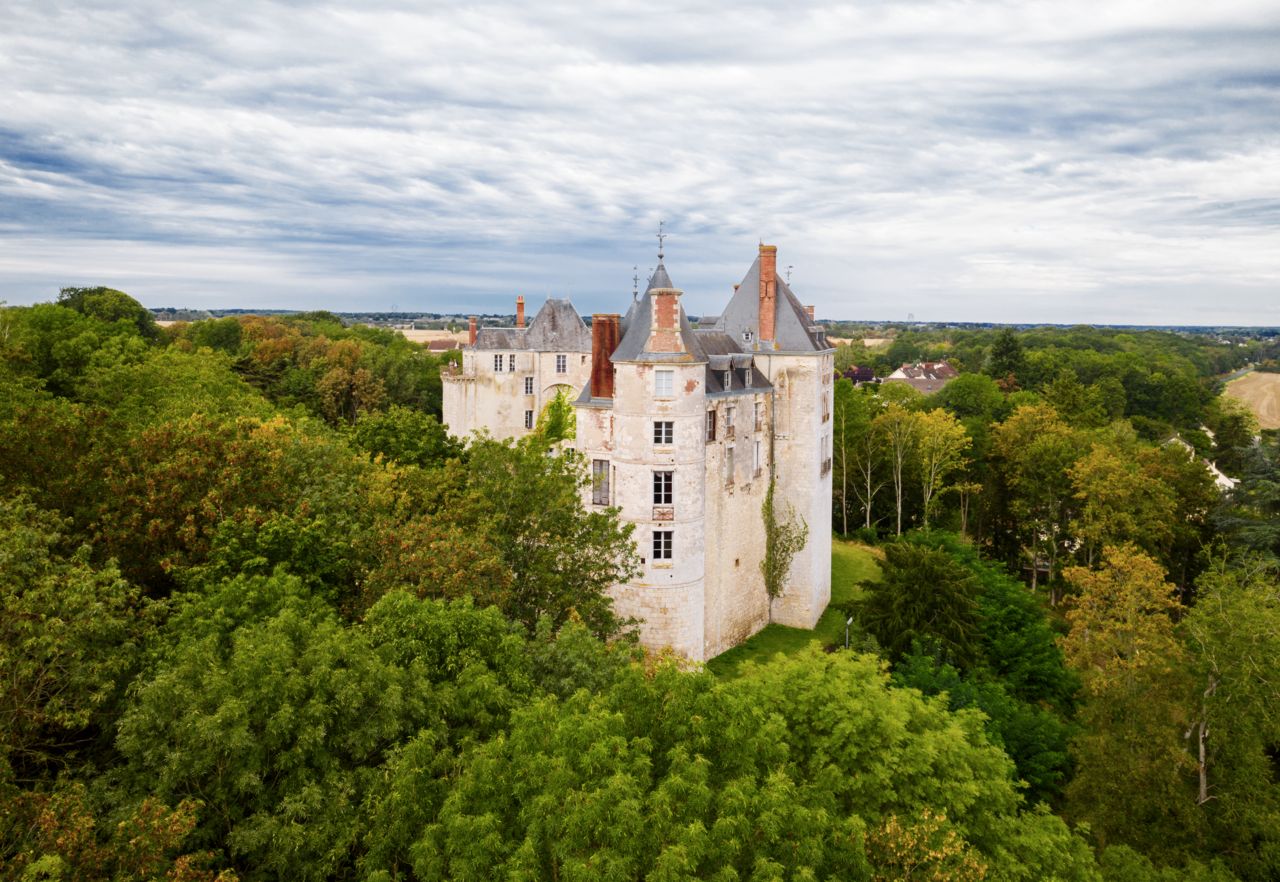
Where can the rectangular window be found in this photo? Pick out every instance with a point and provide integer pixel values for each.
(662, 483)
(759, 461)
(728, 416)
(497, 363)
(826, 408)
(511, 362)
(664, 432)
(662, 544)
(728, 465)
(528, 419)
(562, 364)
(600, 481)
(663, 383)
(711, 426)
(759, 415)
(528, 385)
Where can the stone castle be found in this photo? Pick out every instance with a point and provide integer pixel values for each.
(684, 428)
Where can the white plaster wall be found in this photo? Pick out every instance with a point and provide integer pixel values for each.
(482, 398)
(668, 596)
(802, 382)
(737, 604)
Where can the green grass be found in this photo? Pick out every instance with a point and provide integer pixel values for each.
(851, 563)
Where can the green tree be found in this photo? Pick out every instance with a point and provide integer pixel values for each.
(926, 597)
(1007, 361)
(940, 450)
(408, 436)
(111, 306)
(69, 636)
(557, 422)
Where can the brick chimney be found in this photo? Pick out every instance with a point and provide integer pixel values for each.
(604, 340)
(768, 291)
(664, 333)
(520, 311)
(809, 310)
(471, 331)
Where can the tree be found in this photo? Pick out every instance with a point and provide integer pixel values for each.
(1131, 765)
(408, 436)
(562, 558)
(924, 596)
(110, 305)
(899, 428)
(1036, 449)
(1118, 503)
(1233, 635)
(557, 422)
(940, 449)
(68, 642)
(1007, 360)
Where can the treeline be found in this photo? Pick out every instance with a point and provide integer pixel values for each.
(261, 619)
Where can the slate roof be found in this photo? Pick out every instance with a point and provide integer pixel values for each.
(926, 376)
(792, 328)
(556, 328)
(638, 323)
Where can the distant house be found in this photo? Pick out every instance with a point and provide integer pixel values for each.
(443, 345)
(924, 376)
(859, 375)
(1223, 482)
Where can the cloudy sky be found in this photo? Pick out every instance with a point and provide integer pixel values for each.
(1047, 161)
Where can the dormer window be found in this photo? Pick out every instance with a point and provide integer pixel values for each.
(747, 336)
(728, 379)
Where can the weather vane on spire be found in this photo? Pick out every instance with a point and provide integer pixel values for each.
(789, 269)
(635, 282)
(661, 236)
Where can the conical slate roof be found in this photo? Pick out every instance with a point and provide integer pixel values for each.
(660, 279)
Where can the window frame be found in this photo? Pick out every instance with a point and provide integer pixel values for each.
(711, 425)
(664, 487)
(600, 482)
(664, 433)
(662, 545)
(562, 363)
(664, 383)
(528, 385)
(497, 362)
(528, 419)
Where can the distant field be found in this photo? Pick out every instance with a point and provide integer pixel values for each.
(428, 336)
(850, 563)
(1261, 391)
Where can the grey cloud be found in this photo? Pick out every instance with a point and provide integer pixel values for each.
(979, 160)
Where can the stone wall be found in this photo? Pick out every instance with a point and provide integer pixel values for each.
(480, 397)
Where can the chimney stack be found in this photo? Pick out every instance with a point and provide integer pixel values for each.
(664, 333)
(471, 331)
(809, 309)
(604, 340)
(520, 311)
(768, 291)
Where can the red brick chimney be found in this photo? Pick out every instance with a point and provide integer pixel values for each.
(809, 309)
(664, 334)
(471, 331)
(768, 291)
(520, 311)
(604, 339)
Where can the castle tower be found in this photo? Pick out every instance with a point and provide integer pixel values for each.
(646, 442)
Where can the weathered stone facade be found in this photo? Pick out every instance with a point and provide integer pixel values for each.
(683, 429)
(509, 375)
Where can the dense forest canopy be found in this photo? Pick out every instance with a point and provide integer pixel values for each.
(262, 618)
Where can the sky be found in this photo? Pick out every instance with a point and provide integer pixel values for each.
(1114, 162)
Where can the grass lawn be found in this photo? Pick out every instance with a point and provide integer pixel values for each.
(851, 563)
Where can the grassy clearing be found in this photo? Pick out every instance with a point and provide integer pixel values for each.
(1261, 392)
(851, 563)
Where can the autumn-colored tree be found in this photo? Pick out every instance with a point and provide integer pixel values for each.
(1131, 763)
(1118, 503)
